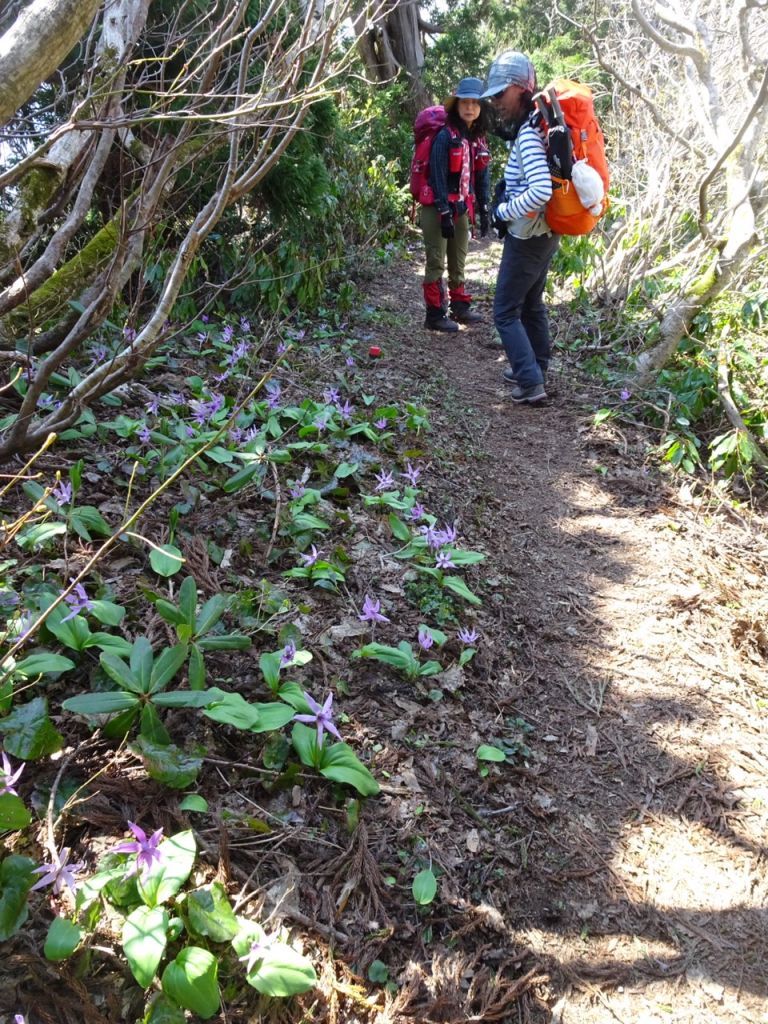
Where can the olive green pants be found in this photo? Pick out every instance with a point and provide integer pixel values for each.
(438, 248)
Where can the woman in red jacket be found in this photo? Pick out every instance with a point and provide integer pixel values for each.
(458, 177)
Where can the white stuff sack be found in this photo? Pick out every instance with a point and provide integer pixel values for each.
(589, 187)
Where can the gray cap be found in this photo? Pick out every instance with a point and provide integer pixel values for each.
(469, 89)
(510, 68)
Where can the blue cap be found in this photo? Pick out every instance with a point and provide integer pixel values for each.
(469, 89)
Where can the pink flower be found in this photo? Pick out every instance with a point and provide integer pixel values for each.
(322, 717)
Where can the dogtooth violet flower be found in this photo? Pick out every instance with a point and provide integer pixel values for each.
(59, 873)
(331, 396)
(9, 777)
(411, 474)
(78, 602)
(385, 481)
(382, 423)
(153, 406)
(443, 560)
(322, 717)
(417, 512)
(425, 640)
(145, 434)
(226, 334)
(62, 492)
(625, 395)
(257, 951)
(146, 849)
(372, 611)
(468, 636)
(288, 654)
(310, 557)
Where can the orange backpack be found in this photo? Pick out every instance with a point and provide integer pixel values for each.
(567, 112)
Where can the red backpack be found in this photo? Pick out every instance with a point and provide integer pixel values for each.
(567, 111)
(426, 126)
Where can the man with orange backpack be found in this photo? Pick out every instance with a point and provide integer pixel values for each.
(555, 183)
(529, 244)
(449, 178)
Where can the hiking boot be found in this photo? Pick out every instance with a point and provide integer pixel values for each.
(463, 313)
(438, 321)
(510, 378)
(533, 394)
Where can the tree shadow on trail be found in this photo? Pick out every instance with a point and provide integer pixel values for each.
(627, 847)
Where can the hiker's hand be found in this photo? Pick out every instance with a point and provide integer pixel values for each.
(447, 229)
(499, 226)
(484, 222)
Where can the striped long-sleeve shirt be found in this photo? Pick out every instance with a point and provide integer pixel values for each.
(526, 176)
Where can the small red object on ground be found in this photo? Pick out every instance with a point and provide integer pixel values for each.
(374, 351)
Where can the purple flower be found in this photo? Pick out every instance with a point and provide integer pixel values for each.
(100, 354)
(78, 602)
(245, 325)
(236, 435)
(59, 873)
(201, 335)
(227, 333)
(411, 474)
(321, 421)
(372, 611)
(174, 398)
(468, 636)
(252, 433)
(349, 361)
(147, 853)
(273, 390)
(219, 378)
(433, 537)
(449, 534)
(331, 396)
(382, 423)
(257, 951)
(145, 435)
(9, 777)
(345, 410)
(288, 654)
(217, 402)
(322, 717)
(8, 599)
(282, 348)
(443, 560)
(298, 490)
(385, 481)
(153, 406)
(205, 318)
(297, 335)
(62, 492)
(45, 401)
(311, 558)
(417, 512)
(625, 395)
(129, 334)
(190, 431)
(425, 640)
(19, 1018)
(201, 411)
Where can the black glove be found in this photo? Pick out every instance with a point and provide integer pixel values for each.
(499, 226)
(446, 225)
(484, 222)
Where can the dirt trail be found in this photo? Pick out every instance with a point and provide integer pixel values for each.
(625, 622)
